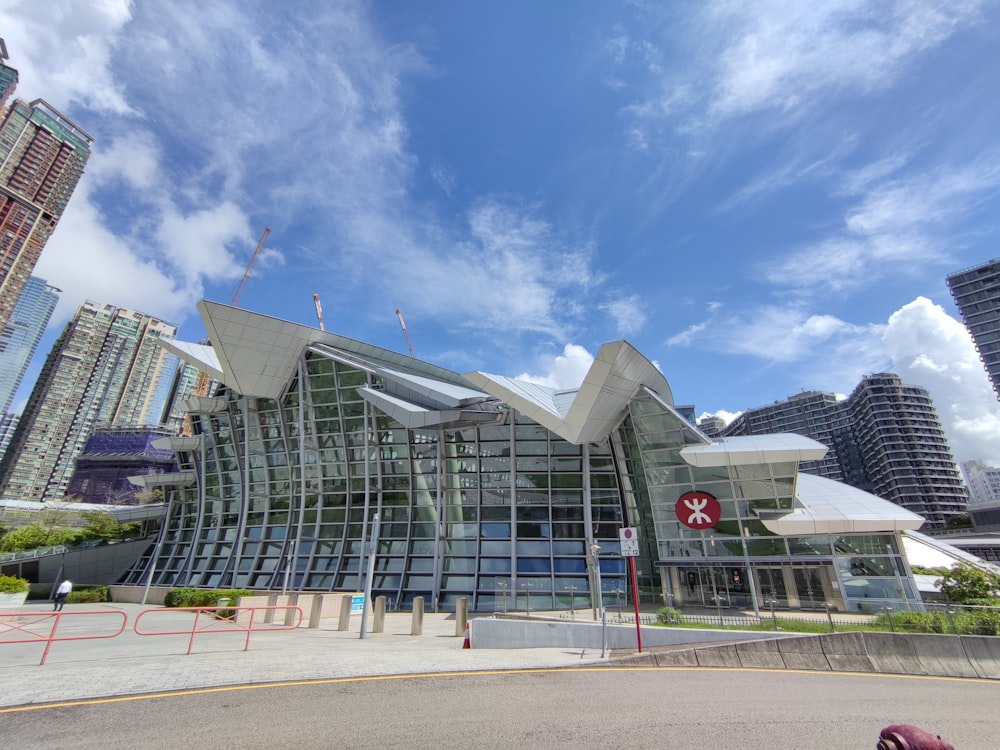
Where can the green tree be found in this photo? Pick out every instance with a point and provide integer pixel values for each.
(967, 584)
(103, 525)
(36, 535)
(150, 496)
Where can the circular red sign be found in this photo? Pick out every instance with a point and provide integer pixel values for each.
(698, 510)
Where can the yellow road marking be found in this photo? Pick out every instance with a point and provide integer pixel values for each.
(487, 672)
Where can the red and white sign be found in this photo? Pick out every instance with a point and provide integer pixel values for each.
(629, 538)
(698, 510)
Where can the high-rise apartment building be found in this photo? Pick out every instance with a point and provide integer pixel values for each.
(8, 423)
(984, 483)
(188, 382)
(977, 293)
(807, 413)
(19, 339)
(105, 369)
(42, 156)
(885, 438)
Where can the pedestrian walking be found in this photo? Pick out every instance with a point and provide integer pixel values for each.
(61, 593)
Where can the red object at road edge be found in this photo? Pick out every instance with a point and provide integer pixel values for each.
(907, 737)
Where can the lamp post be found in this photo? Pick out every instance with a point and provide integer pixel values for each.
(572, 595)
(715, 591)
(526, 587)
(750, 575)
(596, 549)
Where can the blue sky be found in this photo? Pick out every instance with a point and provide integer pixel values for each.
(762, 197)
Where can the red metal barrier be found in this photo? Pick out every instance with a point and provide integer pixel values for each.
(35, 624)
(214, 623)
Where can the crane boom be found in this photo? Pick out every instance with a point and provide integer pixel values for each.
(406, 334)
(250, 265)
(319, 312)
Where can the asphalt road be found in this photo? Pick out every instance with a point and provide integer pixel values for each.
(578, 708)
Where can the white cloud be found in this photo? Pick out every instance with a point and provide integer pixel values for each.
(777, 57)
(627, 313)
(781, 56)
(688, 335)
(258, 119)
(134, 158)
(194, 243)
(920, 342)
(930, 348)
(565, 371)
(87, 261)
(895, 227)
(62, 50)
(777, 334)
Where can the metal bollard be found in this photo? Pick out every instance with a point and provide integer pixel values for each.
(378, 620)
(344, 623)
(272, 601)
(316, 611)
(417, 619)
(461, 615)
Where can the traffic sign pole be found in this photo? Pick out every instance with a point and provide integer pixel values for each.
(635, 599)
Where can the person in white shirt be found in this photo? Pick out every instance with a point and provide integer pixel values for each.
(61, 593)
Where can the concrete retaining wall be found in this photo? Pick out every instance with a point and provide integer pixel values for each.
(491, 632)
(881, 653)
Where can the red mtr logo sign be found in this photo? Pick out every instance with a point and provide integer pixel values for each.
(698, 510)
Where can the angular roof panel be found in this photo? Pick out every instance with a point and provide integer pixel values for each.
(589, 413)
(755, 449)
(823, 506)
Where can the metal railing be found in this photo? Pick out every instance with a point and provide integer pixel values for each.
(224, 619)
(43, 627)
(34, 624)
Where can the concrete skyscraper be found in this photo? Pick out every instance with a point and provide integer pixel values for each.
(42, 156)
(977, 293)
(105, 369)
(20, 337)
(885, 438)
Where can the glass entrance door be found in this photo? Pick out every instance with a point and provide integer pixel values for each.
(809, 586)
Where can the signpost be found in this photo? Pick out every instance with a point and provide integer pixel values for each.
(629, 538)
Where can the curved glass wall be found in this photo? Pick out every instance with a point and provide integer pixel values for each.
(503, 514)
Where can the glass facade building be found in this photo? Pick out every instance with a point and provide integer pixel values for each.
(105, 369)
(42, 156)
(20, 337)
(976, 292)
(492, 489)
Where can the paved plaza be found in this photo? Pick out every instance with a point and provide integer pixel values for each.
(132, 664)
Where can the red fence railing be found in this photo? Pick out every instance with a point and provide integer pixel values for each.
(43, 627)
(208, 620)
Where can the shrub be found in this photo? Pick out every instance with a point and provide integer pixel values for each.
(188, 597)
(88, 595)
(965, 584)
(978, 622)
(669, 616)
(182, 597)
(913, 622)
(13, 585)
(36, 535)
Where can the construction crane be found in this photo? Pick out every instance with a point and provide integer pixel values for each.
(319, 312)
(402, 324)
(204, 380)
(250, 265)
